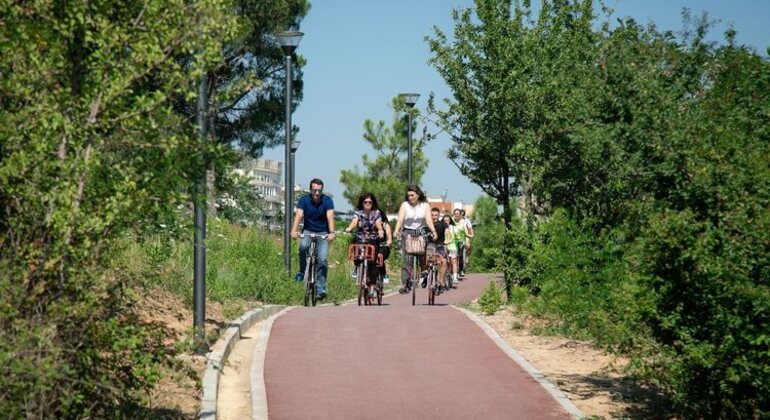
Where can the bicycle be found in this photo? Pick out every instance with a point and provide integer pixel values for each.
(431, 255)
(310, 267)
(414, 272)
(365, 253)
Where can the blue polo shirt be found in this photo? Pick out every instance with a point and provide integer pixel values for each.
(315, 213)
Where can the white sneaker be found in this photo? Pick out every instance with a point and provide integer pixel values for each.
(386, 279)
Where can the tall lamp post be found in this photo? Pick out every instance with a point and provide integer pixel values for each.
(289, 42)
(294, 146)
(409, 99)
(199, 237)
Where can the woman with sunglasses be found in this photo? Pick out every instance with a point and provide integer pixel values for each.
(368, 220)
(414, 216)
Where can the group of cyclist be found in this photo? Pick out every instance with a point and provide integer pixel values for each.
(449, 235)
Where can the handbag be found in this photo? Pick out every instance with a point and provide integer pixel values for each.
(415, 245)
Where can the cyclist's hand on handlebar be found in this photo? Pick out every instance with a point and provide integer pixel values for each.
(330, 237)
(294, 234)
(434, 235)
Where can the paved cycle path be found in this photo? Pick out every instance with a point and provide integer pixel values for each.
(396, 361)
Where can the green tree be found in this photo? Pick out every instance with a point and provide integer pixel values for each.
(248, 84)
(386, 174)
(516, 82)
(90, 148)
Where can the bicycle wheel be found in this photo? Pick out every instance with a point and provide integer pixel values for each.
(365, 283)
(309, 289)
(361, 285)
(415, 279)
(431, 287)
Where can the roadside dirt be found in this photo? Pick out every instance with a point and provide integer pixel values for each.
(593, 380)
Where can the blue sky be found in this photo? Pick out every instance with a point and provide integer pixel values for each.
(362, 53)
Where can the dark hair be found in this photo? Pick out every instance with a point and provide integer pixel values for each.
(458, 209)
(435, 209)
(451, 221)
(316, 181)
(364, 196)
(415, 189)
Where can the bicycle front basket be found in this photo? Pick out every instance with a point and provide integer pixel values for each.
(415, 245)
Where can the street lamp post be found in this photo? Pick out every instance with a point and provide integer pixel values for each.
(289, 42)
(294, 146)
(410, 99)
(199, 237)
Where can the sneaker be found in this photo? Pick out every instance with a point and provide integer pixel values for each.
(354, 273)
(299, 277)
(386, 279)
(321, 296)
(372, 293)
(462, 274)
(403, 290)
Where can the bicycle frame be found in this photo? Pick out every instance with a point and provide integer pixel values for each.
(414, 275)
(365, 253)
(310, 267)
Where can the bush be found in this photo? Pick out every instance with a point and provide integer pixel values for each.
(491, 299)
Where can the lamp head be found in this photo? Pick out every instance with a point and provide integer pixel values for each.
(289, 40)
(410, 99)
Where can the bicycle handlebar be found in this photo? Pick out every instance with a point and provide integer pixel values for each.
(313, 235)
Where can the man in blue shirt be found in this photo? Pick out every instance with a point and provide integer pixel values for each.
(318, 211)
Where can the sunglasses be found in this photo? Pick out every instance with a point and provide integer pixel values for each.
(316, 190)
(367, 201)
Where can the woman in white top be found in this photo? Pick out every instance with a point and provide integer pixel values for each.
(414, 217)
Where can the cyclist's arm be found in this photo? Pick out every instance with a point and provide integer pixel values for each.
(388, 233)
(468, 228)
(429, 222)
(298, 213)
(400, 219)
(353, 224)
(380, 231)
(330, 220)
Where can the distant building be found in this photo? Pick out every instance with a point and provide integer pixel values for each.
(447, 207)
(266, 177)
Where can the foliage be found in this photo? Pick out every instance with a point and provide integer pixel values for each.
(90, 147)
(491, 299)
(243, 264)
(648, 153)
(488, 236)
(386, 175)
(247, 86)
(518, 85)
(242, 204)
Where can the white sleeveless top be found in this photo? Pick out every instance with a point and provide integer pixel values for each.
(414, 217)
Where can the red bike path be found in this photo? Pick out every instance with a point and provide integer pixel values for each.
(397, 361)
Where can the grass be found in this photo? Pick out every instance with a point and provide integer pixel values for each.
(244, 267)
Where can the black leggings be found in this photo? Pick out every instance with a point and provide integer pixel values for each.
(385, 251)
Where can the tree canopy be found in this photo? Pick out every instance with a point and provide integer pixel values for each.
(386, 174)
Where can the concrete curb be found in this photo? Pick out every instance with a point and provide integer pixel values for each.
(219, 353)
(257, 372)
(560, 397)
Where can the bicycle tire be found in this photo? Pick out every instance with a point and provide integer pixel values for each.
(415, 280)
(308, 283)
(312, 273)
(361, 284)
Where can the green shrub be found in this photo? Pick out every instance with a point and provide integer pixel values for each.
(491, 299)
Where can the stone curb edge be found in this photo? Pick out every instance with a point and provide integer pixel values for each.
(219, 353)
(560, 397)
(257, 371)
